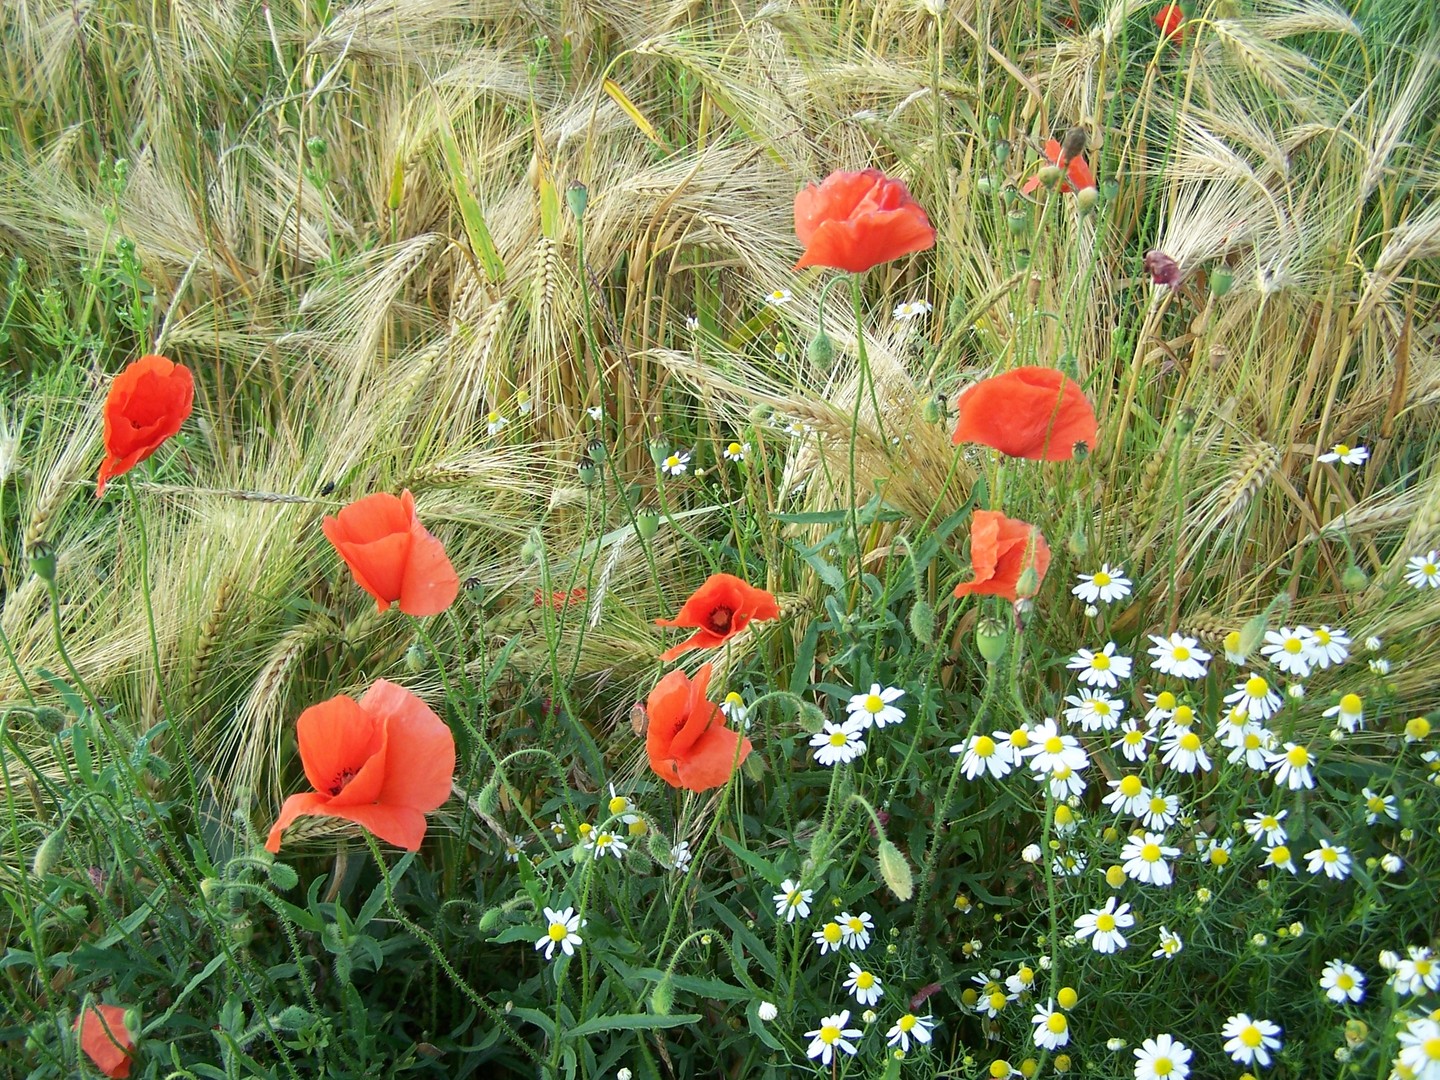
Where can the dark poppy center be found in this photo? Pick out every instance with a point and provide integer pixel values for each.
(340, 781)
(720, 619)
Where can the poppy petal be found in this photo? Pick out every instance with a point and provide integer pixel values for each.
(700, 716)
(713, 758)
(420, 748)
(666, 708)
(839, 194)
(305, 804)
(105, 1039)
(342, 747)
(701, 639)
(1029, 412)
(429, 584)
(403, 826)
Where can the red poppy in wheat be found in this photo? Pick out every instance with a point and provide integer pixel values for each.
(392, 555)
(383, 762)
(1001, 549)
(147, 403)
(856, 220)
(1077, 171)
(719, 610)
(687, 741)
(1031, 412)
(105, 1038)
(1171, 21)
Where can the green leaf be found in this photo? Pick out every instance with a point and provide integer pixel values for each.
(475, 228)
(750, 859)
(630, 1022)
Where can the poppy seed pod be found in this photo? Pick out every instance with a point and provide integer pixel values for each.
(1073, 144)
(991, 639)
(598, 452)
(42, 561)
(1222, 280)
(586, 471)
(577, 197)
(647, 525)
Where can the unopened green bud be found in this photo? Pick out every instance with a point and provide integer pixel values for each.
(283, 876)
(1086, 199)
(1028, 584)
(317, 146)
(812, 719)
(1001, 150)
(922, 621)
(577, 197)
(1222, 280)
(47, 855)
(933, 411)
(48, 718)
(991, 639)
(1077, 543)
(985, 186)
(821, 349)
(488, 801)
(761, 413)
(1110, 190)
(1185, 423)
(1252, 633)
(662, 998)
(1354, 579)
(754, 767)
(290, 1018)
(895, 869)
(647, 525)
(598, 451)
(1050, 175)
(211, 890)
(659, 451)
(42, 561)
(416, 658)
(490, 920)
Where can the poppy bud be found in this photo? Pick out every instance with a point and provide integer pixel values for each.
(1073, 144)
(48, 718)
(985, 186)
(922, 622)
(1252, 633)
(292, 1018)
(1028, 584)
(47, 855)
(754, 767)
(990, 639)
(1222, 280)
(1078, 543)
(42, 561)
(821, 349)
(598, 451)
(577, 197)
(1186, 423)
(211, 889)
(933, 410)
(662, 998)
(647, 525)
(282, 876)
(416, 659)
(488, 801)
(586, 471)
(1001, 150)
(1085, 199)
(1354, 579)
(811, 718)
(1110, 190)
(896, 871)
(1050, 175)
(530, 550)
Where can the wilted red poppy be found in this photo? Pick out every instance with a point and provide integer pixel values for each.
(1031, 412)
(1077, 171)
(687, 741)
(147, 403)
(105, 1038)
(383, 762)
(1001, 549)
(1171, 21)
(856, 220)
(392, 555)
(719, 610)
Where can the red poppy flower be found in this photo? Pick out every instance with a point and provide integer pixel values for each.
(105, 1038)
(687, 741)
(1031, 412)
(856, 220)
(1171, 21)
(383, 762)
(719, 610)
(1001, 549)
(1077, 172)
(147, 403)
(392, 555)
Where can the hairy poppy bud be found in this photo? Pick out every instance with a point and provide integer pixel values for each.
(1078, 543)
(991, 639)
(1073, 144)
(922, 621)
(1028, 584)
(42, 561)
(1110, 190)
(577, 197)
(47, 855)
(1050, 175)
(48, 718)
(895, 869)
(282, 876)
(985, 186)
(662, 998)
(1086, 199)
(821, 349)
(416, 659)
(811, 718)
(1354, 579)
(1001, 150)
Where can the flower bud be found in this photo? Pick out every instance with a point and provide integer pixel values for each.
(1050, 175)
(991, 639)
(1077, 543)
(1163, 269)
(577, 197)
(530, 549)
(896, 871)
(317, 146)
(1028, 584)
(47, 855)
(1354, 579)
(662, 998)
(42, 561)
(242, 931)
(48, 718)
(993, 127)
(282, 876)
(647, 524)
(821, 349)
(659, 451)
(933, 411)
(922, 621)
(1086, 199)
(416, 659)
(985, 186)
(812, 719)
(1110, 190)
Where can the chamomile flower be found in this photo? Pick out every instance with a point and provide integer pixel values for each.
(864, 985)
(736, 710)
(1184, 752)
(1160, 811)
(838, 743)
(524, 405)
(1348, 712)
(495, 423)
(1066, 820)
(767, 1011)
(1254, 693)
(855, 929)
(1423, 570)
(603, 842)
(1162, 707)
(1215, 850)
(1417, 972)
(595, 412)
(1232, 727)
(1378, 806)
(1104, 668)
(1022, 982)
(1162, 1058)
(1268, 828)
(1104, 926)
(1052, 1029)
(776, 297)
(1391, 863)
(1233, 651)
(1285, 648)
(680, 856)
(829, 937)
(1094, 711)
(1146, 856)
(1178, 655)
(1049, 749)
(1249, 1042)
(1105, 585)
(1291, 766)
(792, 902)
(1134, 741)
(832, 1033)
(1346, 454)
(1064, 782)
(1181, 719)
(1128, 795)
(619, 806)
(1420, 1048)
(912, 309)
(676, 464)
(985, 754)
(876, 706)
(1170, 944)
(910, 1027)
(1342, 982)
(561, 931)
(1253, 749)
(1069, 863)
(1327, 646)
(1279, 857)
(1333, 861)
(736, 451)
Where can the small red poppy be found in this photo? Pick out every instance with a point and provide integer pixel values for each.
(1077, 171)
(719, 610)
(383, 762)
(1001, 549)
(1030, 412)
(856, 220)
(686, 740)
(1171, 21)
(392, 555)
(147, 403)
(105, 1038)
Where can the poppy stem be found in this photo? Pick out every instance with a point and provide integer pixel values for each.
(145, 594)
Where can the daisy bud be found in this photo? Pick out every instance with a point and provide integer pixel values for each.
(1354, 579)
(1388, 959)
(991, 639)
(821, 350)
(767, 1011)
(922, 622)
(42, 561)
(647, 525)
(1356, 1032)
(577, 197)
(896, 871)
(1372, 644)
(1030, 853)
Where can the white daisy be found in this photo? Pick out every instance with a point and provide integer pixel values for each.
(1052, 1029)
(1145, 856)
(1249, 1042)
(1178, 655)
(1332, 861)
(676, 464)
(1064, 782)
(560, 932)
(875, 707)
(1181, 719)
(1094, 711)
(1162, 707)
(792, 902)
(1254, 693)
(1342, 982)
(912, 309)
(494, 423)
(595, 412)
(838, 743)
(680, 856)
(1103, 926)
(1418, 972)
(523, 403)
(1128, 795)
(909, 1027)
(1234, 726)
(1291, 766)
(864, 985)
(1279, 857)
(736, 710)
(1161, 811)
(1104, 668)
(831, 1033)
(1022, 982)
(829, 937)
(1253, 748)
(1105, 585)
(736, 451)
(1423, 570)
(1049, 749)
(1214, 849)
(1327, 646)
(1170, 944)
(602, 843)
(1420, 1048)
(1184, 752)
(1162, 1058)
(1069, 863)
(985, 753)
(1233, 651)
(1268, 828)
(1346, 454)
(855, 929)
(1377, 806)
(776, 297)
(1348, 712)
(1134, 741)
(1285, 648)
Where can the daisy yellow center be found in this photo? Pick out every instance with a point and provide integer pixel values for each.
(1351, 703)
(1162, 1066)
(996, 1000)
(1150, 853)
(604, 840)
(672, 461)
(1345, 981)
(734, 699)
(1432, 1048)
(557, 931)
(733, 449)
(585, 828)
(906, 1022)
(1269, 821)
(619, 804)
(831, 933)
(1376, 804)
(874, 703)
(778, 294)
(1329, 855)
(1341, 449)
(1020, 738)
(1158, 805)
(1100, 708)
(1064, 815)
(1101, 578)
(1130, 786)
(1256, 687)
(1298, 757)
(1232, 641)
(1180, 652)
(1100, 662)
(1251, 1036)
(793, 898)
(1252, 741)
(1190, 741)
(1219, 856)
(1423, 967)
(838, 738)
(638, 827)
(1293, 645)
(1322, 636)
(1105, 923)
(984, 746)
(1054, 744)
(1184, 716)
(829, 1033)
(1134, 738)
(1026, 975)
(864, 981)
(1057, 1023)
(856, 926)
(1280, 855)
(1166, 700)
(1430, 569)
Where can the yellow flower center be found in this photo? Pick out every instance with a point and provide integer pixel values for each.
(864, 981)
(1134, 738)
(1423, 967)
(1219, 856)
(1329, 855)
(672, 461)
(1251, 1036)
(1105, 923)
(1375, 803)
(557, 931)
(1166, 700)
(1158, 805)
(1162, 1066)
(831, 933)
(874, 703)
(1345, 981)
(619, 804)
(1417, 727)
(830, 1034)
(996, 999)
(1150, 853)
(1057, 1023)
(906, 1022)
(638, 827)
(1026, 975)
(585, 828)
(1279, 855)
(1252, 740)
(1130, 786)
(1100, 708)
(1054, 744)
(734, 699)
(838, 738)
(1232, 641)
(1430, 569)
(1256, 687)
(1180, 652)
(1322, 636)
(1341, 449)
(1064, 815)
(1101, 578)
(1019, 738)
(1351, 703)
(1298, 757)
(1293, 645)
(1190, 741)
(1184, 716)
(984, 746)
(1100, 662)
(733, 449)
(856, 926)
(1432, 1048)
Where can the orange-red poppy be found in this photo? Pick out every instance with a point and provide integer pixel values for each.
(383, 762)
(1031, 412)
(687, 741)
(105, 1038)
(147, 403)
(1171, 21)
(1077, 171)
(1001, 549)
(392, 555)
(856, 220)
(719, 610)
